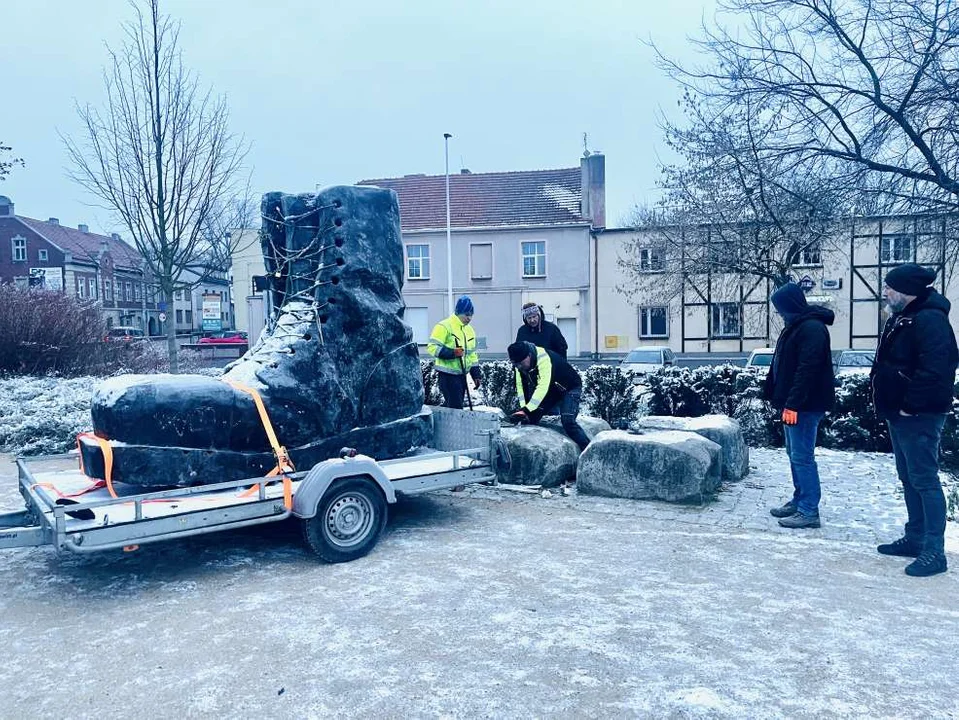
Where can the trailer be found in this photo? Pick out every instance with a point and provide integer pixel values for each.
(341, 503)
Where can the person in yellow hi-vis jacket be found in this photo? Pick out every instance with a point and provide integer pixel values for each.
(545, 382)
(453, 344)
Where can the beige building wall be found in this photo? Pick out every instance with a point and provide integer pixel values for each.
(848, 281)
(247, 262)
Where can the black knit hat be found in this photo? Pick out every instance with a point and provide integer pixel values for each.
(910, 279)
(518, 351)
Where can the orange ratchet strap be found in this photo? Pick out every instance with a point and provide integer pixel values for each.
(107, 460)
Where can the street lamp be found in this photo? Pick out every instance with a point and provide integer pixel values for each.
(449, 237)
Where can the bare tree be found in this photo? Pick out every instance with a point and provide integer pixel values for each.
(733, 214)
(870, 83)
(7, 165)
(160, 154)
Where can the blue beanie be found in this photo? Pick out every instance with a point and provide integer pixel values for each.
(464, 306)
(790, 301)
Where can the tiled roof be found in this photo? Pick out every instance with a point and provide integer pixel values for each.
(533, 197)
(83, 245)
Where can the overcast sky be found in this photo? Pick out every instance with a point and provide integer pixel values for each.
(335, 92)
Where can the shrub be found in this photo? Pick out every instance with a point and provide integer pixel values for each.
(499, 385)
(611, 394)
(431, 385)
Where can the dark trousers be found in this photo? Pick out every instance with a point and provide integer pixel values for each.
(453, 388)
(568, 406)
(915, 443)
(801, 448)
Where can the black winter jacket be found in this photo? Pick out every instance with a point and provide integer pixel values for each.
(801, 376)
(546, 382)
(547, 336)
(915, 366)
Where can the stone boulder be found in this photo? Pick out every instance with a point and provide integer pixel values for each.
(721, 429)
(591, 426)
(671, 465)
(539, 456)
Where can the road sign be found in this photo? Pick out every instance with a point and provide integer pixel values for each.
(162, 317)
(807, 283)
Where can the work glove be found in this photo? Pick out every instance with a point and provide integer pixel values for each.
(519, 417)
(458, 352)
(790, 417)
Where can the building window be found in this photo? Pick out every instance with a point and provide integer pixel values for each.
(189, 317)
(654, 321)
(42, 255)
(179, 317)
(81, 286)
(727, 320)
(417, 262)
(652, 259)
(19, 248)
(810, 254)
(92, 285)
(534, 259)
(897, 249)
(107, 290)
(138, 292)
(127, 290)
(481, 261)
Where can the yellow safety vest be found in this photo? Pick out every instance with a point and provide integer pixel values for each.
(451, 333)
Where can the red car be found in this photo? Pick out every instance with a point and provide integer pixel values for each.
(230, 337)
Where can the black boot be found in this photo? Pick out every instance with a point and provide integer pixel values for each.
(928, 563)
(901, 548)
(337, 366)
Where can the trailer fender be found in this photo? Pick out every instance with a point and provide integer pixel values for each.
(323, 474)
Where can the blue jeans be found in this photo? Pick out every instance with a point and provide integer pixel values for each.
(801, 448)
(915, 443)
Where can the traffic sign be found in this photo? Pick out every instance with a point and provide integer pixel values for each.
(807, 283)
(162, 317)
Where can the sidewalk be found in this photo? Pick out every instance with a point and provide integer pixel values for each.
(489, 603)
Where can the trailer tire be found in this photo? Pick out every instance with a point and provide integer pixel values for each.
(349, 520)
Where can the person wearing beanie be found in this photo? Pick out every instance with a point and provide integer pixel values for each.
(913, 377)
(801, 387)
(453, 345)
(545, 382)
(540, 331)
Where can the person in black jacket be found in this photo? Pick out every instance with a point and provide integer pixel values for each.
(913, 377)
(538, 330)
(546, 382)
(801, 386)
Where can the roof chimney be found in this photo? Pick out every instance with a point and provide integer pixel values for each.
(465, 171)
(115, 236)
(83, 228)
(53, 221)
(594, 188)
(6, 206)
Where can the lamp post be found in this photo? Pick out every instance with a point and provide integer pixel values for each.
(449, 236)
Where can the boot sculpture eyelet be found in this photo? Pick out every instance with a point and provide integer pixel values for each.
(336, 365)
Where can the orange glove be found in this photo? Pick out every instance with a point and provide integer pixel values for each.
(458, 352)
(790, 417)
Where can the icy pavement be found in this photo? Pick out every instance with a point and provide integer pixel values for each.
(490, 603)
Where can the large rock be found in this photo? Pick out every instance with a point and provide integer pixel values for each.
(670, 465)
(539, 456)
(591, 426)
(721, 429)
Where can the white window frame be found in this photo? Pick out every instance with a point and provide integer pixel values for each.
(92, 288)
(419, 259)
(81, 287)
(647, 256)
(42, 255)
(810, 255)
(107, 289)
(645, 311)
(887, 249)
(18, 248)
(523, 256)
(138, 292)
(127, 290)
(492, 260)
(724, 308)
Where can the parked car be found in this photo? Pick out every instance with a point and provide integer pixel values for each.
(121, 333)
(854, 362)
(761, 357)
(229, 337)
(648, 358)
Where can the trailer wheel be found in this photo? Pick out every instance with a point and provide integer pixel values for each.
(349, 520)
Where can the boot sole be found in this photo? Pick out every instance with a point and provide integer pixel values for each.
(923, 573)
(804, 526)
(888, 553)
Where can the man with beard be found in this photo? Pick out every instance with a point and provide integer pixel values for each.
(800, 385)
(913, 377)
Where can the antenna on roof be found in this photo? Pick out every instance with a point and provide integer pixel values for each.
(585, 145)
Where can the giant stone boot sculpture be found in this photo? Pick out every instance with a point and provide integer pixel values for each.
(336, 366)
